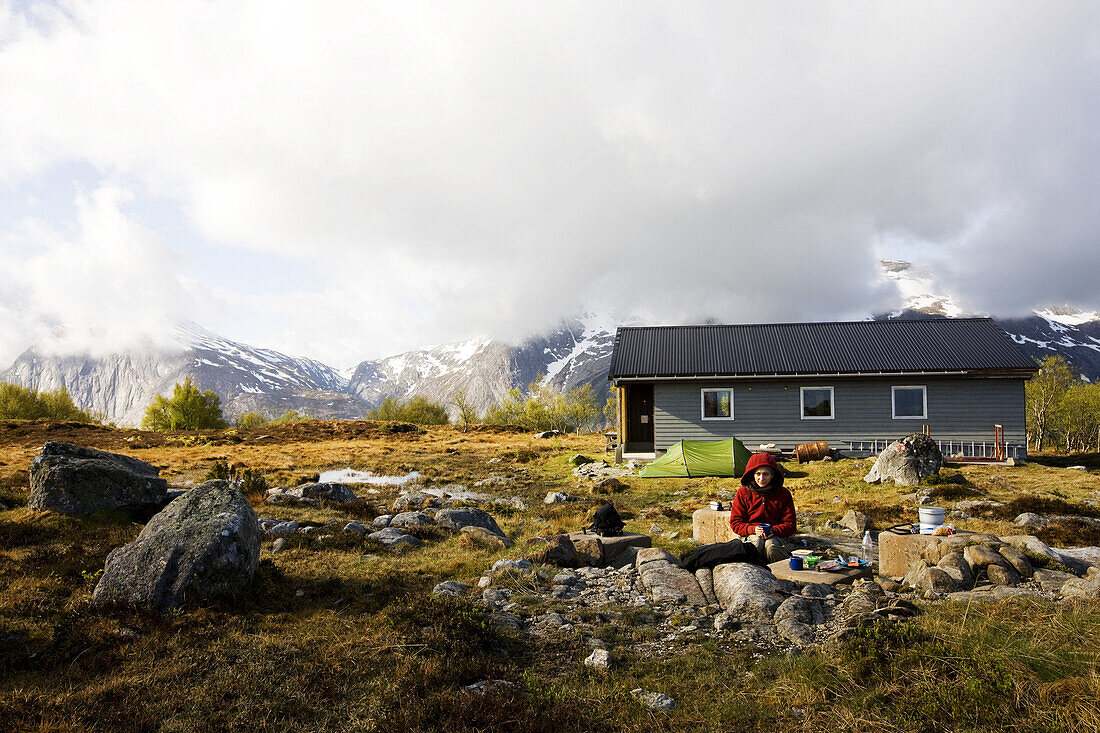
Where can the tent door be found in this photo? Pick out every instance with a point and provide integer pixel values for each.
(639, 419)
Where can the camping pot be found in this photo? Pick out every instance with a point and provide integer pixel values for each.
(811, 451)
(931, 517)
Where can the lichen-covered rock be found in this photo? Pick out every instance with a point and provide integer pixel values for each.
(1080, 588)
(955, 565)
(1002, 574)
(673, 584)
(484, 538)
(456, 519)
(394, 537)
(414, 500)
(655, 556)
(907, 462)
(1052, 581)
(70, 479)
(979, 557)
(557, 550)
(795, 631)
(1017, 560)
(705, 576)
(746, 591)
(408, 520)
(204, 543)
(333, 492)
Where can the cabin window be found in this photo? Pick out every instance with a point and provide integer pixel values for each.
(910, 403)
(817, 403)
(717, 404)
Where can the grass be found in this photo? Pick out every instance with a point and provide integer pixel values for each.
(338, 634)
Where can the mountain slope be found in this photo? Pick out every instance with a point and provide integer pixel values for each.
(120, 386)
(578, 352)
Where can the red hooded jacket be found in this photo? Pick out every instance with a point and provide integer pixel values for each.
(774, 506)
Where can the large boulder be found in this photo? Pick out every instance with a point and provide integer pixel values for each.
(204, 543)
(456, 519)
(69, 479)
(907, 461)
(747, 592)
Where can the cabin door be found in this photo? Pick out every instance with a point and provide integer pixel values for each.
(639, 419)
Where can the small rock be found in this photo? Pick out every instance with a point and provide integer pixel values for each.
(580, 460)
(393, 537)
(1031, 520)
(654, 700)
(655, 529)
(278, 545)
(412, 519)
(484, 686)
(484, 538)
(555, 497)
(505, 565)
(381, 521)
(858, 522)
(599, 660)
(610, 485)
(356, 528)
(449, 588)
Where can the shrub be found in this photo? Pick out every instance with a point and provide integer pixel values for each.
(23, 403)
(418, 410)
(251, 483)
(250, 420)
(545, 409)
(186, 409)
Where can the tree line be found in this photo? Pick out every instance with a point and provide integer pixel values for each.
(1062, 409)
(540, 408)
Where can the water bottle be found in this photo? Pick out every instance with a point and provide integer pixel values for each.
(867, 545)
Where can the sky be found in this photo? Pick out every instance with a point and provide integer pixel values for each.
(350, 180)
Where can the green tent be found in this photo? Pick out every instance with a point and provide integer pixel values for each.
(700, 458)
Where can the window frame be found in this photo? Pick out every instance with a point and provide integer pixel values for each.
(802, 403)
(894, 405)
(703, 403)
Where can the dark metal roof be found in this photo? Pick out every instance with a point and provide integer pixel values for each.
(851, 347)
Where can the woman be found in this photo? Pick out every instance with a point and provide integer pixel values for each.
(763, 511)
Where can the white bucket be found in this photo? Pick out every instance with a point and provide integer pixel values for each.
(931, 517)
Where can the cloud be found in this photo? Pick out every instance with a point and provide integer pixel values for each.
(104, 284)
(465, 168)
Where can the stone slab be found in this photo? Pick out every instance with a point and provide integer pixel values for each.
(782, 570)
(709, 526)
(601, 551)
(897, 552)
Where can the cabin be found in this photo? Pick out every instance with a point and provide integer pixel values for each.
(858, 385)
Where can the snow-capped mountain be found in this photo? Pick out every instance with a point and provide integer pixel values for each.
(120, 386)
(1063, 330)
(578, 352)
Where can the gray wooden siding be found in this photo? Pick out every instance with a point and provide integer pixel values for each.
(769, 411)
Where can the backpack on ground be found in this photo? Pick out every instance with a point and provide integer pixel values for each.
(607, 522)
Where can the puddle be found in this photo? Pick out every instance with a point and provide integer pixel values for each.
(348, 476)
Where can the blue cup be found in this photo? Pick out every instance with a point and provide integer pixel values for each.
(796, 562)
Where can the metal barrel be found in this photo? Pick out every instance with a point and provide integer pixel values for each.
(811, 451)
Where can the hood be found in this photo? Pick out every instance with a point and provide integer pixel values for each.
(756, 461)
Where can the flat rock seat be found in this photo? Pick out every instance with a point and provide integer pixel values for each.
(842, 576)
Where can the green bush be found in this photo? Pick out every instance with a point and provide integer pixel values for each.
(288, 417)
(186, 409)
(545, 409)
(250, 420)
(418, 410)
(23, 403)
